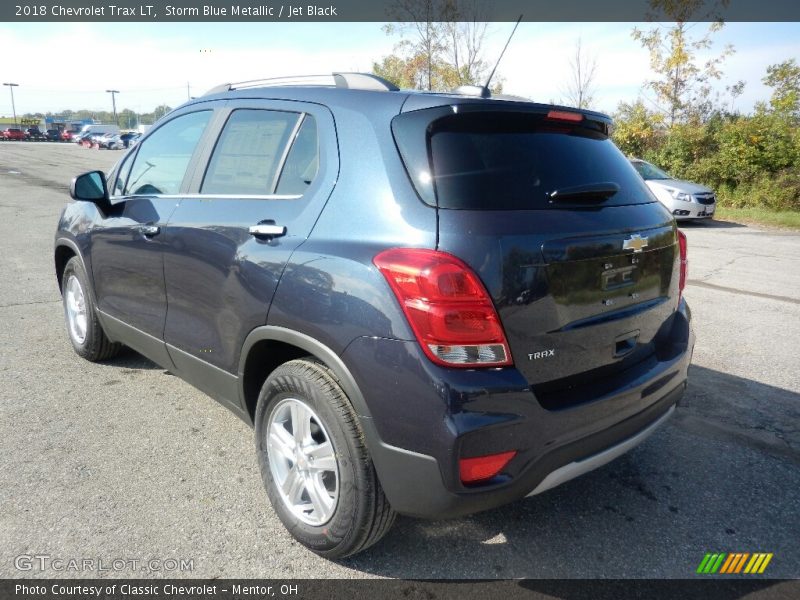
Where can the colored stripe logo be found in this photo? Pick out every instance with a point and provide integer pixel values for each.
(733, 563)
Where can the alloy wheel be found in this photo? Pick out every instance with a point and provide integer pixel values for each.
(302, 461)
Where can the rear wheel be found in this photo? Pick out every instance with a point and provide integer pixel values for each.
(84, 329)
(314, 463)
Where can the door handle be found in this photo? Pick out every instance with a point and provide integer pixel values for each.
(267, 229)
(149, 230)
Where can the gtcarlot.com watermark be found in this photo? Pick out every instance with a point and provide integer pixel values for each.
(58, 564)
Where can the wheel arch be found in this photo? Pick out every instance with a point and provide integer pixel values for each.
(66, 249)
(269, 346)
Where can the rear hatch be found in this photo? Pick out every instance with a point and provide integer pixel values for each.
(580, 259)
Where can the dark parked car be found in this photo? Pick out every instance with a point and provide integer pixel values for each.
(53, 135)
(34, 134)
(13, 133)
(427, 304)
(129, 138)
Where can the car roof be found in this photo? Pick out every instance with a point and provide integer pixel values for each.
(369, 93)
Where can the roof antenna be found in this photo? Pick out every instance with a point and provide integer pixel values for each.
(513, 31)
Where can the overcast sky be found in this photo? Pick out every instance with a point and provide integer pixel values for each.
(65, 65)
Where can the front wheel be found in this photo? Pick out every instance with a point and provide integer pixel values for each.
(314, 463)
(84, 329)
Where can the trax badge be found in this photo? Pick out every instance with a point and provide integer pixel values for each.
(635, 243)
(542, 354)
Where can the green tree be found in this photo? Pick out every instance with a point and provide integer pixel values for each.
(128, 119)
(637, 130)
(682, 84)
(784, 79)
(160, 111)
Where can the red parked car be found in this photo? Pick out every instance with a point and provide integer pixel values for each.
(13, 133)
(68, 134)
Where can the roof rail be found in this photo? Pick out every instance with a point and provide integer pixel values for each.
(353, 81)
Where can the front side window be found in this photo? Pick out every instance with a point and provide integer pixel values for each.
(249, 152)
(122, 176)
(161, 162)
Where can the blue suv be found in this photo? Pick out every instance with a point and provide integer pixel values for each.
(425, 303)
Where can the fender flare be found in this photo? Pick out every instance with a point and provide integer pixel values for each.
(69, 243)
(314, 347)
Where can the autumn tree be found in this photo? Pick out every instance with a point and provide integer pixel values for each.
(682, 84)
(636, 128)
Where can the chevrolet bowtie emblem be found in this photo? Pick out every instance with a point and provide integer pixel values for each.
(635, 243)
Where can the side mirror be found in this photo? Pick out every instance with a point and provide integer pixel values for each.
(90, 186)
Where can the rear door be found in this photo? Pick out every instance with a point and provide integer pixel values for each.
(271, 169)
(579, 257)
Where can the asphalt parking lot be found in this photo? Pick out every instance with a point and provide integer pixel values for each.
(122, 460)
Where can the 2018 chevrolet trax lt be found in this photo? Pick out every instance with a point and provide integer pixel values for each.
(428, 304)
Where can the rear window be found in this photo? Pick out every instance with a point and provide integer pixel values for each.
(487, 160)
(249, 152)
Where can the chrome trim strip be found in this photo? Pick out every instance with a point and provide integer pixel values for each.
(287, 148)
(214, 196)
(577, 468)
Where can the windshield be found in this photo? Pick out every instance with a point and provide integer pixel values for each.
(648, 171)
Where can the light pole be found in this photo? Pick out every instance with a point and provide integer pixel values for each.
(11, 86)
(114, 103)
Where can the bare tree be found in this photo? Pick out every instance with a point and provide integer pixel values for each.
(466, 33)
(441, 46)
(580, 88)
(735, 90)
(422, 19)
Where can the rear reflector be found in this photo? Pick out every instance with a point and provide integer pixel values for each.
(564, 115)
(684, 262)
(482, 468)
(449, 310)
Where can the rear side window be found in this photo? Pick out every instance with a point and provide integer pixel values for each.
(487, 160)
(162, 159)
(302, 162)
(249, 152)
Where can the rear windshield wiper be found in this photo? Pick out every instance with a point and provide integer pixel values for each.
(589, 191)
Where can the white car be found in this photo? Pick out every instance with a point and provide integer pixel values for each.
(684, 199)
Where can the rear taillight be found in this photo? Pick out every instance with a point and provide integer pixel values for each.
(449, 310)
(684, 262)
(481, 468)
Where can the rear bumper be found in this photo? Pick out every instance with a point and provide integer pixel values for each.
(590, 463)
(424, 418)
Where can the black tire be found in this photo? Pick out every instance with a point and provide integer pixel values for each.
(362, 515)
(94, 346)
